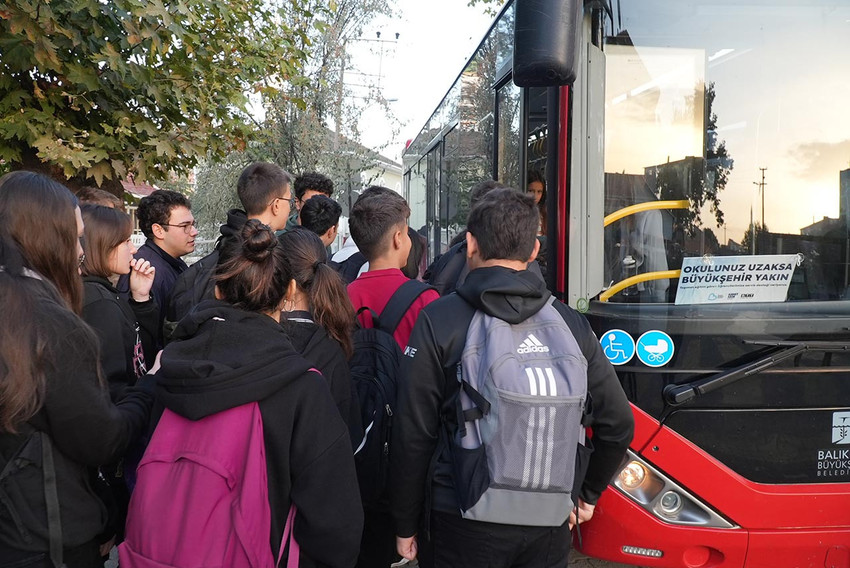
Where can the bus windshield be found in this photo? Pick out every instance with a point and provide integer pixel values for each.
(727, 151)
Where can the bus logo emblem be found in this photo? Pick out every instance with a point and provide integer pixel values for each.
(841, 428)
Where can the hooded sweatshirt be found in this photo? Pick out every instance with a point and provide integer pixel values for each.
(223, 357)
(425, 393)
(195, 284)
(325, 353)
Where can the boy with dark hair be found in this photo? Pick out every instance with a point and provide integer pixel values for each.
(264, 191)
(349, 260)
(166, 219)
(261, 188)
(306, 186)
(449, 270)
(309, 184)
(320, 214)
(378, 225)
(500, 292)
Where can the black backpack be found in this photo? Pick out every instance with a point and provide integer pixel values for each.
(35, 452)
(374, 371)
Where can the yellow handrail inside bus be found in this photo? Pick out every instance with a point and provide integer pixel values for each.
(646, 206)
(632, 280)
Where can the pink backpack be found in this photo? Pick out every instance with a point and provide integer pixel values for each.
(201, 498)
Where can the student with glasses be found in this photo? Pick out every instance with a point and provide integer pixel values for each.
(265, 192)
(165, 217)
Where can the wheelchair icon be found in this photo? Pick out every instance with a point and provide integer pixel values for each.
(618, 346)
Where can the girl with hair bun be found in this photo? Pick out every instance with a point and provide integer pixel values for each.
(318, 316)
(55, 411)
(232, 351)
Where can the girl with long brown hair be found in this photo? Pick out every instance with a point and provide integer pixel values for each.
(56, 418)
(317, 314)
(127, 328)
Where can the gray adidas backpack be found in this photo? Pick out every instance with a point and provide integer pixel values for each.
(522, 395)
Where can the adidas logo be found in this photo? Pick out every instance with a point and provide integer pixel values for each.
(532, 345)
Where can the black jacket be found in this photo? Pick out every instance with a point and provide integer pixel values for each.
(168, 269)
(86, 429)
(222, 357)
(437, 343)
(324, 353)
(195, 284)
(120, 324)
(449, 270)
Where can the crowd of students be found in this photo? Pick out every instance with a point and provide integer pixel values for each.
(99, 341)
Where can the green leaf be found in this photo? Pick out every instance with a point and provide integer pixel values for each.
(100, 171)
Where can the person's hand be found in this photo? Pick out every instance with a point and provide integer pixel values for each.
(585, 513)
(407, 547)
(141, 279)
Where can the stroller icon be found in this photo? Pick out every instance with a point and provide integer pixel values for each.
(655, 348)
(655, 353)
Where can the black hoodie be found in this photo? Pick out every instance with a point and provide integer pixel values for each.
(435, 347)
(195, 284)
(222, 357)
(325, 353)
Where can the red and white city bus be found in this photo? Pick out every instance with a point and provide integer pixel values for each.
(698, 205)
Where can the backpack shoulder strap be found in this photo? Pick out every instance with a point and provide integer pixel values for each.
(399, 303)
(51, 500)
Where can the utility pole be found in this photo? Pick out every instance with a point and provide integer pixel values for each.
(761, 185)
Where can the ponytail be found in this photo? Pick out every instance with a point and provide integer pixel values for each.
(329, 302)
(331, 305)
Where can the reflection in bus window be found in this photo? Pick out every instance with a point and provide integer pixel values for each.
(508, 100)
(636, 243)
(700, 110)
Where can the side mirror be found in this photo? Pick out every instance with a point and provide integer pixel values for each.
(546, 40)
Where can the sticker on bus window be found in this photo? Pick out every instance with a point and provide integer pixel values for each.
(618, 346)
(654, 348)
(736, 279)
(841, 428)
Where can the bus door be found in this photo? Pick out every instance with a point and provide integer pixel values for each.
(722, 290)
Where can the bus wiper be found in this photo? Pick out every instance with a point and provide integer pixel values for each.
(676, 395)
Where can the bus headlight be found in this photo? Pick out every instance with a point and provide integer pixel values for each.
(632, 475)
(663, 497)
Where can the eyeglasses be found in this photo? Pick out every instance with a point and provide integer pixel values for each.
(291, 200)
(187, 227)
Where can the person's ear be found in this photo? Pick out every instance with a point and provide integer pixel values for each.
(158, 231)
(535, 251)
(291, 290)
(398, 238)
(471, 245)
(218, 294)
(330, 235)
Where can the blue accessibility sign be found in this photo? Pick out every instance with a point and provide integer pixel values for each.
(655, 348)
(618, 346)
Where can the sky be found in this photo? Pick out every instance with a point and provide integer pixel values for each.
(436, 38)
